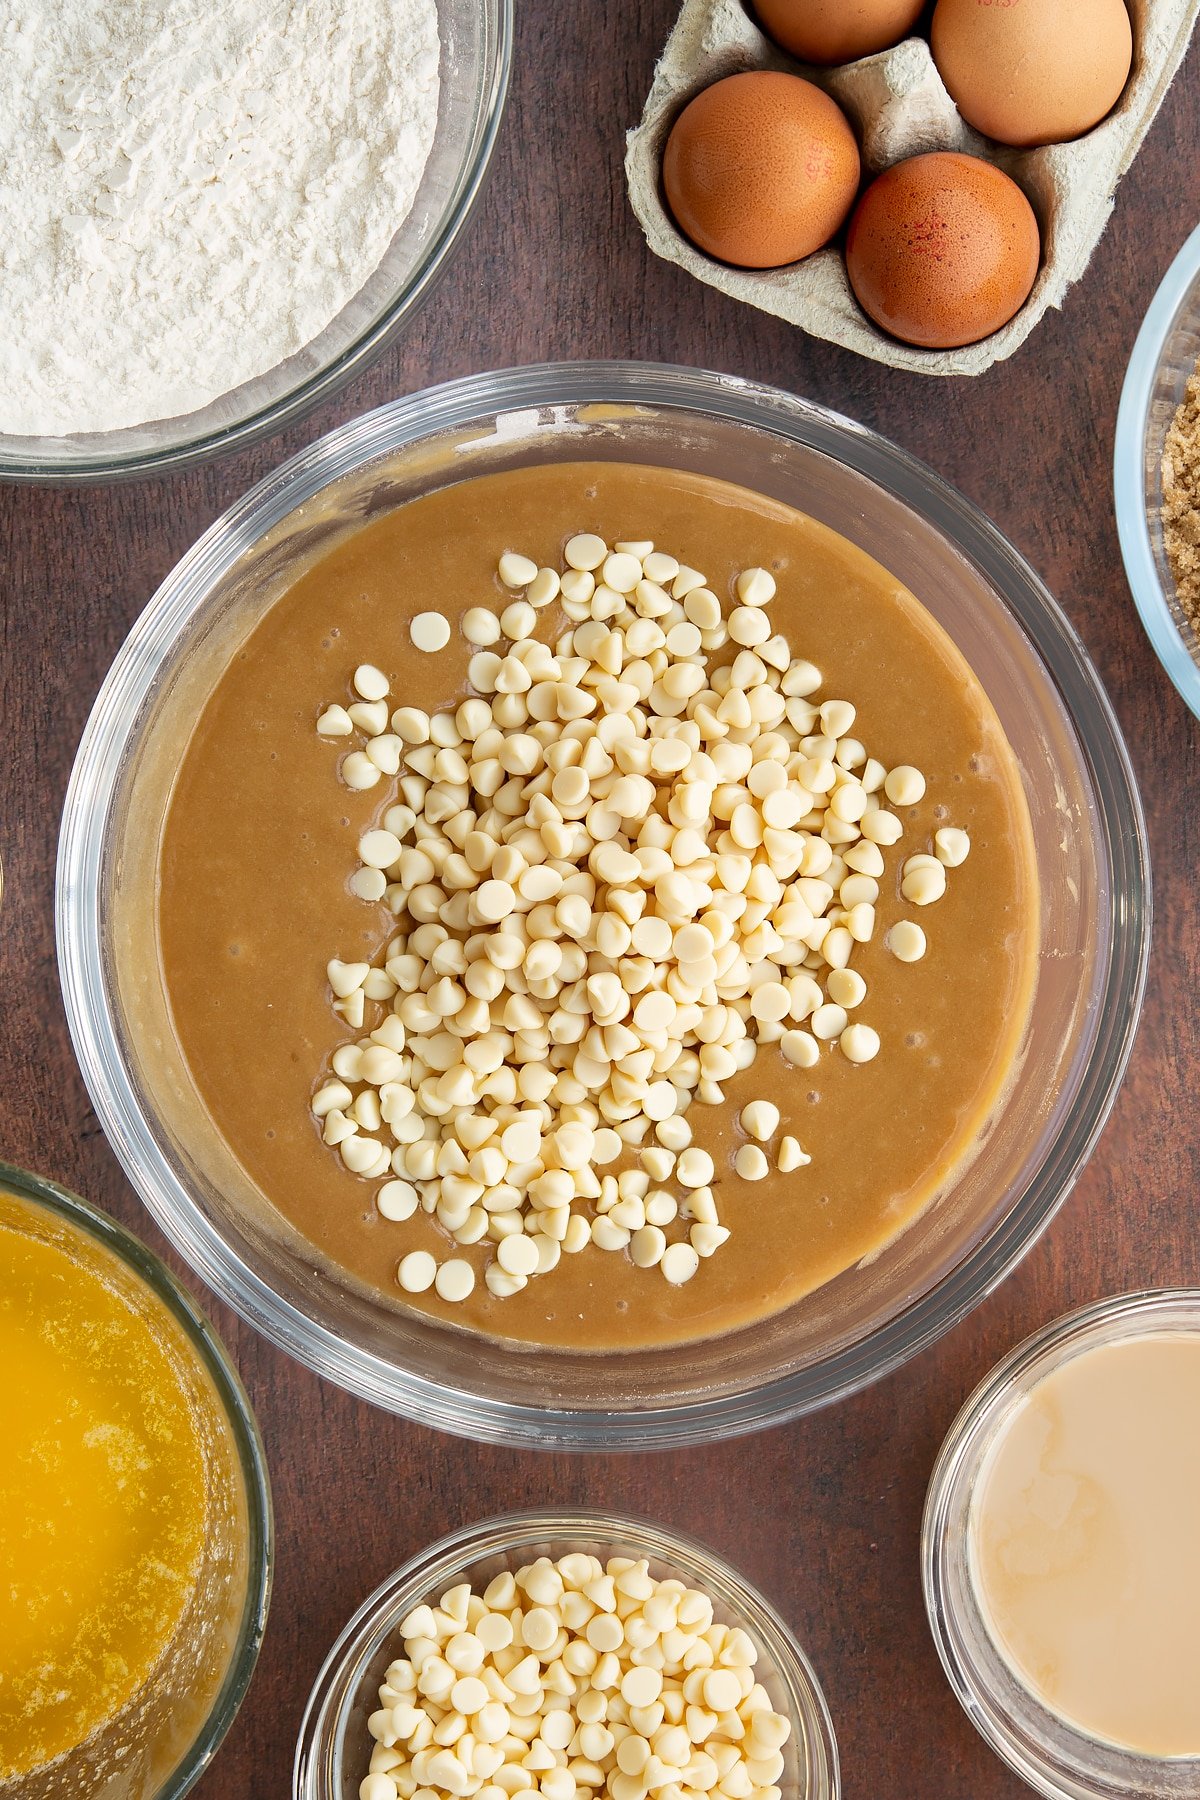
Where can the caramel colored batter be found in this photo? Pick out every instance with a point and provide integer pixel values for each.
(259, 845)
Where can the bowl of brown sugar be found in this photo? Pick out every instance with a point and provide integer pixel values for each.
(1157, 472)
(602, 904)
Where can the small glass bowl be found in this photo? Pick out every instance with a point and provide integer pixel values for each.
(1164, 356)
(334, 1745)
(1090, 846)
(125, 1756)
(1055, 1758)
(476, 57)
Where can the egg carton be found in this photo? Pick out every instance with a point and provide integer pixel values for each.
(899, 107)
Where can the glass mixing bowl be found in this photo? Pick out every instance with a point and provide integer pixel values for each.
(166, 1735)
(334, 1746)
(476, 40)
(1164, 356)
(1090, 847)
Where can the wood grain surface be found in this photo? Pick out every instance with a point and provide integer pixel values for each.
(823, 1514)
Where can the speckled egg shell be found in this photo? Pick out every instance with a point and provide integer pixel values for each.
(1033, 71)
(942, 250)
(761, 169)
(837, 31)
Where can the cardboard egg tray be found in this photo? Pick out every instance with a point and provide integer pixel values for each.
(899, 107)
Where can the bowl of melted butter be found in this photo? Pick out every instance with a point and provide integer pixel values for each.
(135, 1518)
(764, 1168)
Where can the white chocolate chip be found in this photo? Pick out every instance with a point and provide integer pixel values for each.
(748, 626)
(517, 1255)
(543, 588)
(417, 1272)
(370, 716)
(846, 988)
(386, 752)
(923, 880)
(706, 1239)
(859, 1043)
(358, 771)
(577, 586)
(621, 572)
(695, 1168)
(755, 587)
(679, 1263)
(750, 1162)
(790, 1156)
(379, 849)
(518, 620)
(480, 626)
(951, 846)
(332, 1094)
(647, 1246)
(397, 1200)
(906, 941)
(904, 785)
(759, 1120)
(829, 1021)
(516, 571)
(837, 718)
(335, 721)
(881, 827)
(430, 631)
(585, 551)
(411, 725)
(370, 683)
(800, 1048)
(685, 581)
(454, 1281)
(345, 978)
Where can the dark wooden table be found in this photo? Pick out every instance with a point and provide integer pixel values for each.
(824, 1514)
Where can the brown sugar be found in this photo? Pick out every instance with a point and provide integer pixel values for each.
(1181, 500)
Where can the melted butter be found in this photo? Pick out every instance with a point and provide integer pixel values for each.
(1085, 1543)
(102, 1489)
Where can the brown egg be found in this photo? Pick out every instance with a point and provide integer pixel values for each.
(837, 31)
(1033, 71)
(942, 250)
(761, 169)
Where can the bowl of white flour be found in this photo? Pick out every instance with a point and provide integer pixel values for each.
(211, 217)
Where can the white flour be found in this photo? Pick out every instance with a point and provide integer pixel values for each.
(189, 193)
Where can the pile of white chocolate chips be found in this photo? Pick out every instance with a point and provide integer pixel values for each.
(637, 854)
(569, 1679)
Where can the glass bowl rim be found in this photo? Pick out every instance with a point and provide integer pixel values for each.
(309, 392)
(451, 1554)
(391, 428)
(1135, 1311)
(1129, 492)
(149, 1268)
